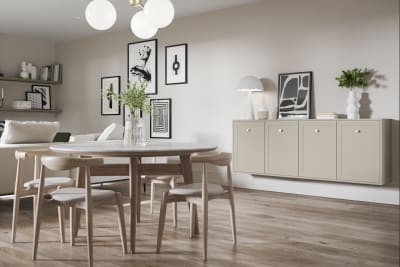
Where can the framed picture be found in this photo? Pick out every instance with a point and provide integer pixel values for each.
(110, 85)
(160, 118)
(2, 124)
(176, 64)
(44, 90)
(142, 64)
(35, 99)
(294, 95)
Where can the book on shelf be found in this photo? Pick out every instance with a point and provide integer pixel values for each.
(56, 72)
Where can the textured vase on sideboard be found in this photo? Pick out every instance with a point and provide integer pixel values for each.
(352, 105)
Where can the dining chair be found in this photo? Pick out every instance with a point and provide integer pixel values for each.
(200, 194)
(77, 198)
(166, 180)
(30, 188)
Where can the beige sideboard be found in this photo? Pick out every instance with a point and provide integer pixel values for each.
(353, 151)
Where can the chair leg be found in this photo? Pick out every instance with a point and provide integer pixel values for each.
(72, 224)
(38, 216)
(77, 221)
(163, 211)
(121, 222)
(233, 218)
(61, 220)
(192, 219)
(152, 188)
(138, 199)
(174, 206)
(205, 230)
(15, 217)
(89, 217)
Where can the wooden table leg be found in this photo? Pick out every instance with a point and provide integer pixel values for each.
(188, 179)
(133, 176)
(138, 197)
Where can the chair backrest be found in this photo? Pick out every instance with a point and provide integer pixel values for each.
(56, 163)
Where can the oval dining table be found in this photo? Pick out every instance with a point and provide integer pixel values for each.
(136, 168)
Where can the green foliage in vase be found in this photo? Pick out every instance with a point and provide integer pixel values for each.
(354, 78)
(134, 97)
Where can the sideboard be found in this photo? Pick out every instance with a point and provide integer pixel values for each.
(351, 151)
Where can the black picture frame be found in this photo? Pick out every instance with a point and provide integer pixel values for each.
(165, 129)
(31, 96)
(169, 65)
(288, 107)
(113, 111)
(45, 91)
(138, 73)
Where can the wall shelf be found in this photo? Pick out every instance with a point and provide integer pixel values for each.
(31, 110)
(20, 80)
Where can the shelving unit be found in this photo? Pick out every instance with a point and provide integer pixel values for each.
(30, 110)
(20, 80)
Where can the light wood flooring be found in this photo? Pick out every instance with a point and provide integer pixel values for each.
(274, 229)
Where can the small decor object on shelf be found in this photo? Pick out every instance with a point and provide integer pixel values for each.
(176, 64)
(136, 102)
(35, 99)
(21, 104)
(160, 118)
(2, 98)
(45, 73)
(44, 90)
(110, 86)
(294, 94)
(57, 72)
(352, 79)
(327, 116)
(24, 72)
(142, 64)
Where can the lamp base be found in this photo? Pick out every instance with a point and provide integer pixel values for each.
(250, 108)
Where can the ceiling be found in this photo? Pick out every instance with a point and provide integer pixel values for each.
(63, 20)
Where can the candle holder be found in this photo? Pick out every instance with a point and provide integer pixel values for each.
(2, 103)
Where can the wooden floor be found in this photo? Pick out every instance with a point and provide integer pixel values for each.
(274, 229)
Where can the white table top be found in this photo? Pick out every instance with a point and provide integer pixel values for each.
(118, 148)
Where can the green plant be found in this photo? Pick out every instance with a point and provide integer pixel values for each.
(134, 97)
(354, 78)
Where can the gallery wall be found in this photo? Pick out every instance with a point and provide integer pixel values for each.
(262, 39)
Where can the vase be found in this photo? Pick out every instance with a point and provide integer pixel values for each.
(134, 129)
(352, 105)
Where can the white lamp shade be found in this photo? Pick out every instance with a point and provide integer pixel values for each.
(250, 84)
(141, 26)
(159, 12)
(100, 14)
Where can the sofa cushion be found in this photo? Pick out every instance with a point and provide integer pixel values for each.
(112, 132)
(19, 132)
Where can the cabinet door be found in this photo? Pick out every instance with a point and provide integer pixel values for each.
(359, 151)
(282, 148)
(317, 144)
(248, 142)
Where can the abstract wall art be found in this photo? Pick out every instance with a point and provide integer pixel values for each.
(294, 95)
(142, 64)
(176, 64)
(110, 86)
(44, 90)
(160, 118)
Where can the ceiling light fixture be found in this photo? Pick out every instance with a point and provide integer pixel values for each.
(155, 14)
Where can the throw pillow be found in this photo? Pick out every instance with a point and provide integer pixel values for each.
(112, 132)
(20, 132)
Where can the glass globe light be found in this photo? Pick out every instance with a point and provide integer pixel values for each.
(141, 27)
(100, 14)
(159, 12)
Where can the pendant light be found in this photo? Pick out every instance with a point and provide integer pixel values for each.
(160, 13)
(100, 14)
(141, 27)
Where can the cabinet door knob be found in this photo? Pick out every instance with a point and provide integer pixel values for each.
(280, 130)
(248, 130)
(316, 130)
(358, 131)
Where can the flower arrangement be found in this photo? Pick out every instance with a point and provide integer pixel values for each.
(134, 97)
(354, 78)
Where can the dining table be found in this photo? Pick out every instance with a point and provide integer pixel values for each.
(136, 167)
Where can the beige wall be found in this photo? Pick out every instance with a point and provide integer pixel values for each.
(14, 50)
(263, 40)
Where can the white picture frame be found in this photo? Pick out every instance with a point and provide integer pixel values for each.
(110, 85)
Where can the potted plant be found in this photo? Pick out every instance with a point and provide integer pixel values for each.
(352, 79)
(135, 98)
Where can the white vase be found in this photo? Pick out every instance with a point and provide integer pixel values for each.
(352, 105)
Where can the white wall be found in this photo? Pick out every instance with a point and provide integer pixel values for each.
(14, 50)
(261, 39)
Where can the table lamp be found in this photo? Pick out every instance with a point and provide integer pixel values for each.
(250, 84)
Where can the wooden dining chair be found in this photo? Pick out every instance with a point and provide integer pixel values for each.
(81, 198)
(200, 194)
(30, 188)
(166, 180)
